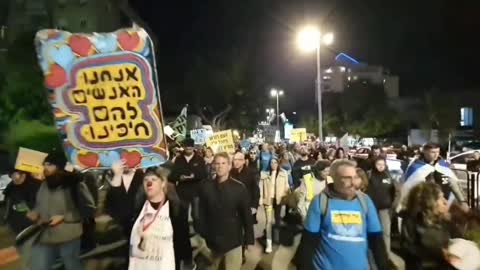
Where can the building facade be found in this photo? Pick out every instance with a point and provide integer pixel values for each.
(348, 70)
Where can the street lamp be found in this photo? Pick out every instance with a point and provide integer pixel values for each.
(310, 39)
(277, 93)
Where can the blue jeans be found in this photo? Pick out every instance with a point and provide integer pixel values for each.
(44, 256)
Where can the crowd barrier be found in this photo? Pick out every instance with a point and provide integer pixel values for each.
(473, 189)
(470, 183)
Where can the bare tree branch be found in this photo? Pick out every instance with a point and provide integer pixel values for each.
(202, 115)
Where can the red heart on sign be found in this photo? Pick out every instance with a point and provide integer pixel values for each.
(128, 41)
(132, 159)
(89, 160)
(56, 78)
(80, 45)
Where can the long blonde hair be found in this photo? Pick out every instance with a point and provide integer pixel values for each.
(422, 202)
(363, 175)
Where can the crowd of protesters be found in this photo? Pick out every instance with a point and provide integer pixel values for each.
(346, 208)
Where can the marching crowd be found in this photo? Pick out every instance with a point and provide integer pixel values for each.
(346, 210)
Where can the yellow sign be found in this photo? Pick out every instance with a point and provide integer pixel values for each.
(119, 119)
(298, 135)
(222, 141)
(346, 217)
(29, 160)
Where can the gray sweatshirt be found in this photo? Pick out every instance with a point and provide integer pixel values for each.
(59, 201)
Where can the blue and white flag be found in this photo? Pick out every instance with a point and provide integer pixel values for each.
(418, 171)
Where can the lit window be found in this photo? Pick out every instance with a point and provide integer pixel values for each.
(326, 77)
(349, 78)
(342, 69)
(466, 117)
(328, 70)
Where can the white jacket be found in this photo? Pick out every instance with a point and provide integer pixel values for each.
(267, 184)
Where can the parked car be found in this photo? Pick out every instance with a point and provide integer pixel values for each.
(458, 164)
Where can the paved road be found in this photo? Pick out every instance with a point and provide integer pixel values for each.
(279, 259)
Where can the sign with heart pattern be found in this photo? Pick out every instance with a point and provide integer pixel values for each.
(104, 94)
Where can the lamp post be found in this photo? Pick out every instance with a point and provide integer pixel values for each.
(310, 39)
(276, 94)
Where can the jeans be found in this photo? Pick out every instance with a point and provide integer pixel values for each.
(25, 251)
(44, 256)
(272, 216)
(386, 221)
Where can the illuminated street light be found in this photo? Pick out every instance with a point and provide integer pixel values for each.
(277, 93)
(327, 38)
(310, 39)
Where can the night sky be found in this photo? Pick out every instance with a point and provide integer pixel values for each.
(428, 43)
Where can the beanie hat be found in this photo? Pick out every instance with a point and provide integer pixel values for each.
(57, 159)
(188, 142)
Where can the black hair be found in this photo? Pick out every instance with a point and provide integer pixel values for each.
(431, 145)
(338, 151)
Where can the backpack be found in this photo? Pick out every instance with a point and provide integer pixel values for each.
(324, 198)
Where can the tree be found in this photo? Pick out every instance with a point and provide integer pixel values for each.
(23, 96)
(225, 95)
(439, 112)
(32, 134)
(361, 109)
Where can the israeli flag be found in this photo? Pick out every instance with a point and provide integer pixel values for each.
(417, 172)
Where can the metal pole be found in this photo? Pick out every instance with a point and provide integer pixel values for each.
(278, 113)
(319, 94)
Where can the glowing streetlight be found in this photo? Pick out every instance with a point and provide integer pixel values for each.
(310, 39)
(327, 38)
(277, 93)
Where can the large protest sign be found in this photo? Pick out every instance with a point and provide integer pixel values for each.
(29, 160)
(200, 136)
(222, 141)
(269, 133)
(298, 135)
(104, 93)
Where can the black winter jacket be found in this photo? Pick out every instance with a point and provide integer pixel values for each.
(422, 245)
(224, 217)
(120, 204)
(250, 179)
(381, 188)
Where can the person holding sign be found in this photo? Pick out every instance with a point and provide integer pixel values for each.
(62, 203)
(120, 201)
(159, 237)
